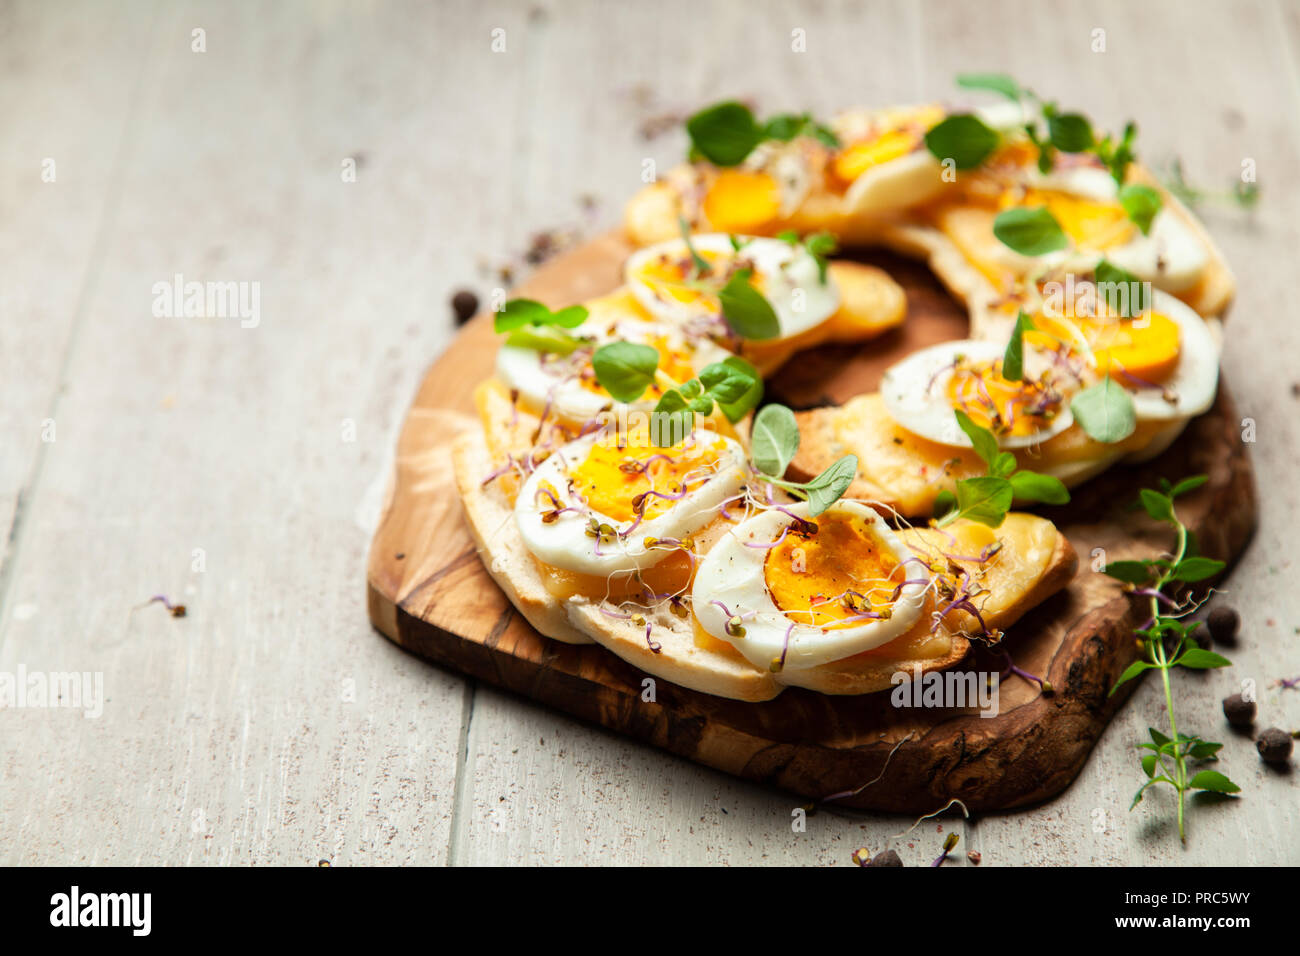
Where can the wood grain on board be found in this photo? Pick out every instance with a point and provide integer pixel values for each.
(429, 592)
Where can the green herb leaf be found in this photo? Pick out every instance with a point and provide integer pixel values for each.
(962, 137)
(1003, 465)
(1013, 361)
(1213, 781)
(1199, 659)
(1196, 569)
(747, 313)
(775, 440)
(1070, 132)
(1105, 411)
(625, 369)
(699, 264)
(1131, 572)
(1188, 484)
(1158, 506)
(671, 420)
(747, 401)
(1121, 290)
(1031, 231)
(1149, 763)
(1137, 667)
(520, 312)
(826, 489)
(994, 82)
(821, 246)
(725, 133)
(986, 500)
(1204, 750)
(1141, 203)
(544, 338)
(1031, 486)
(983, 441)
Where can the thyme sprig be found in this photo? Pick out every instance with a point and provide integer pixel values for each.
(1168, 642)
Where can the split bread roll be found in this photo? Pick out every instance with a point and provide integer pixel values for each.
(1031, 560)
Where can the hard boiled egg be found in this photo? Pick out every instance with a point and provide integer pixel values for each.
(788, 591)
(671, 286)
(924, 390)
(566, 384)
(602, 504)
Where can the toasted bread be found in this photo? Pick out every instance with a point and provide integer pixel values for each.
(676, 649)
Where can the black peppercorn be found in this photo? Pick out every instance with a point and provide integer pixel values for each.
(1239, 711)
(886, 858)
(1274, 745)
(464, 304)
(1223, 623)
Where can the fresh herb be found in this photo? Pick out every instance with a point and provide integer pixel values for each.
(625, 369)
(988, 498)
(1123, 292)
(820, 245)
(993, 82)
(747, 312)
(1242, 194)
(1141, 203)
(733, 385)
(1013, 360)
(775, 441)
(726, 133)
(962, 137)
(1105, 411)
(1068, 132)
(1168, 756)
(699, 265)
(518, 313)
(1030, 231)
(544, 338)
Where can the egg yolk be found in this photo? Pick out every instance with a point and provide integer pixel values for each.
(858, 157)
(742, 201)
(834, 576)
(1146, 347)
(1004, 407)
(673, 279)
(1089, 223)
(616, 481)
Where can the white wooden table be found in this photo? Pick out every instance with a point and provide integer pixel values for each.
(238, 469)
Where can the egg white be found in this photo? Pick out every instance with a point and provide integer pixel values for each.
(918, 176)
(1170, 256)
(733, 574)
(1194, 381)
(927, 411)
(564, 543)
(785, 269)
(540, 381)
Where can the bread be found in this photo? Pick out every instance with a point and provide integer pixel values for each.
(1038, 562)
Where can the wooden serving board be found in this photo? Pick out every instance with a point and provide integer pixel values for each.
(428, 592)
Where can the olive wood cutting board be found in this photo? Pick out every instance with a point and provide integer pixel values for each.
(428, 592)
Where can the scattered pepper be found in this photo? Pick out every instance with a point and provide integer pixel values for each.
(1274, 746)
(1239, 711)
(1223, 623)
(465, 306)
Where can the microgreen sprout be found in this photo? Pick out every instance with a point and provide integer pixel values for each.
(774, 443)
(949, 844)
(1166, 643)
(820, 245)
(733, 385)
(988, 498)
(1243, 194)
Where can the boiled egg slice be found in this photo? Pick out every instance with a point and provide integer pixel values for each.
(1084, 199)
(668, 283)
(788, 591)
(923, 391)
(610, 502)
(566, 385)
(1167, 357)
